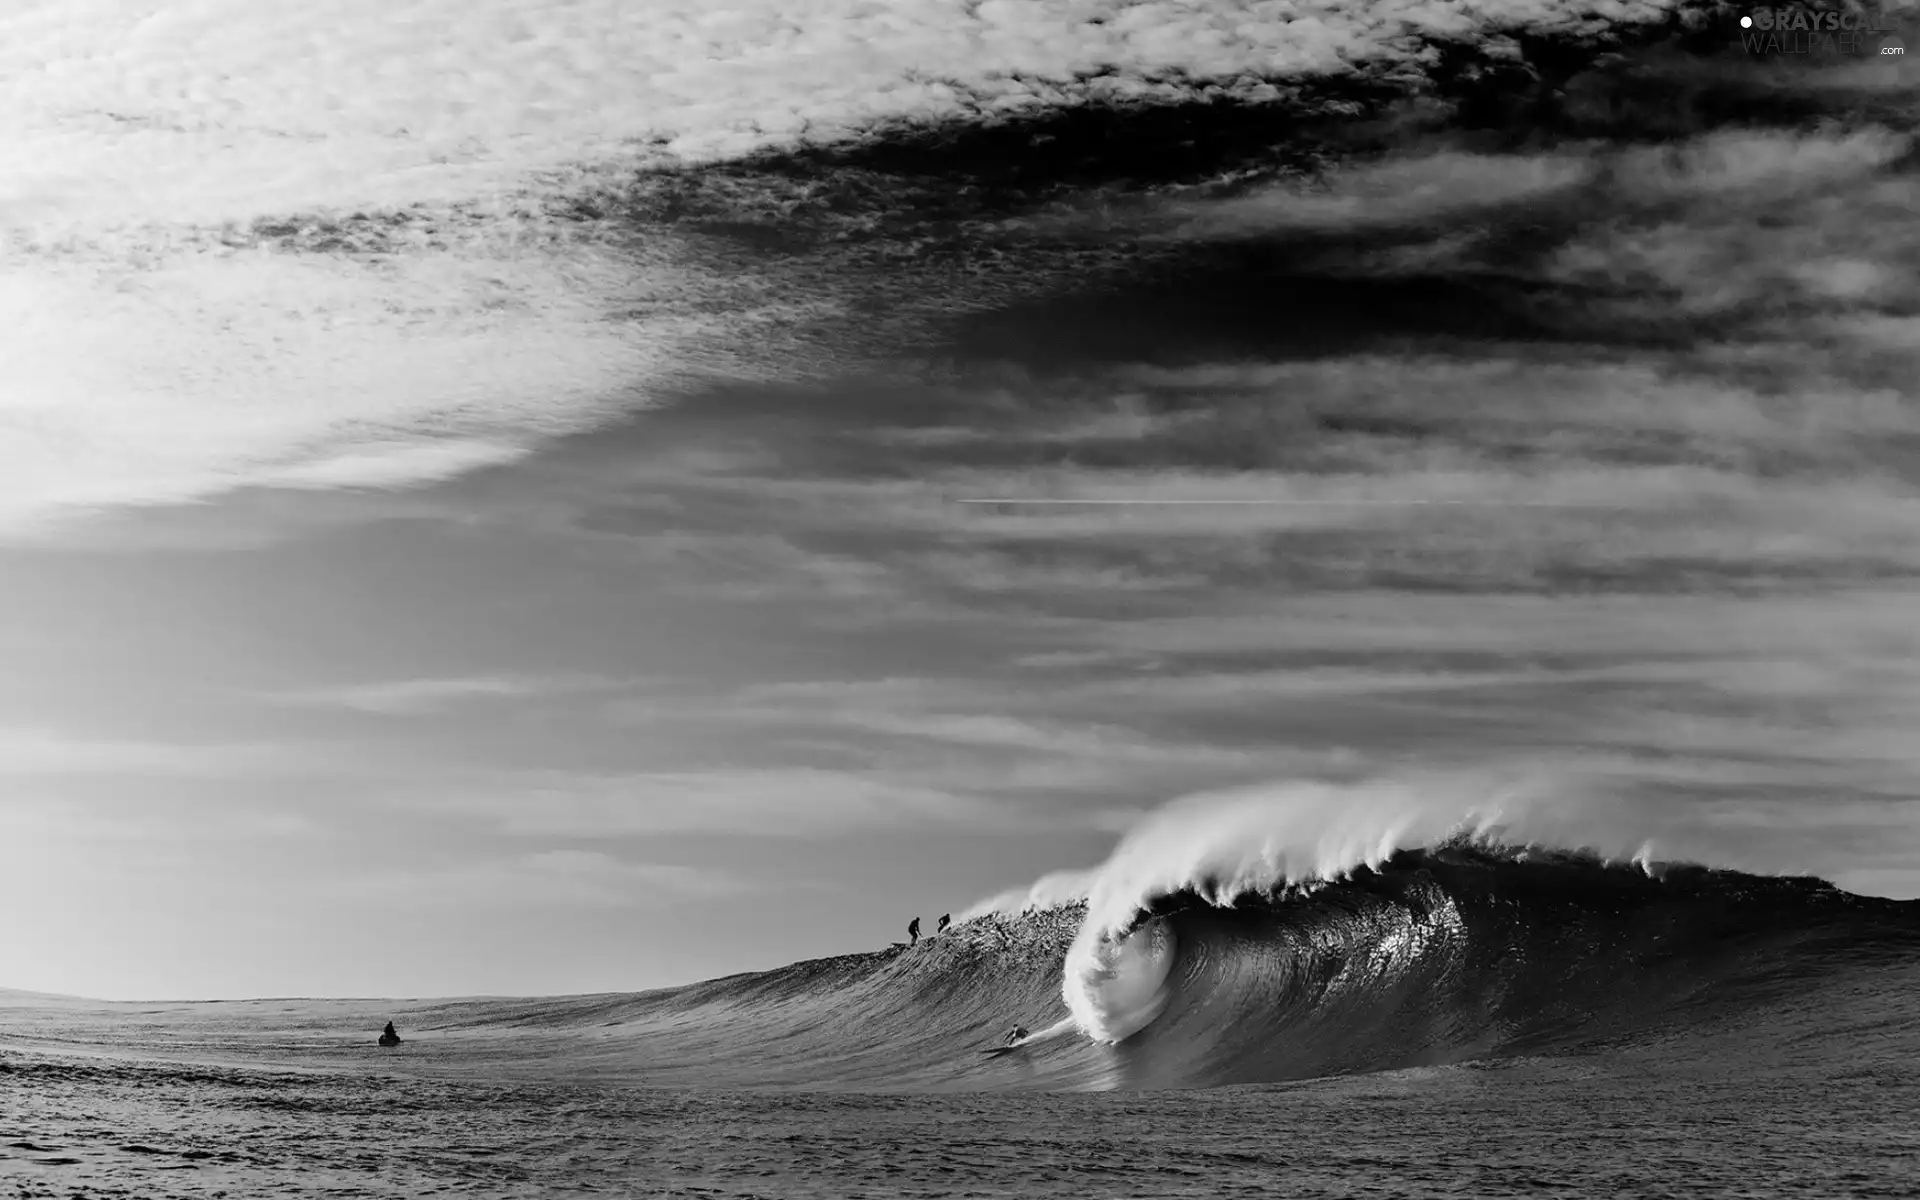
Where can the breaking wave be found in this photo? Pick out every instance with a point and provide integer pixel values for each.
(1279, 843)
(1298, 931)
(1459, 951)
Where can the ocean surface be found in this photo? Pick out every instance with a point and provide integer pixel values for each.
(1465, 1020)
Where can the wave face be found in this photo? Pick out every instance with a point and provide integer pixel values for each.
(1439, 955)
(1466, 951)
(1292, 932)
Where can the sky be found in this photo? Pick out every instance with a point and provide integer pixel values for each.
(577, 496)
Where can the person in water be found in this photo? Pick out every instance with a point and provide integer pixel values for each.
(942, 926)
(388, 1037)
(913, 932)
(1016, 1035)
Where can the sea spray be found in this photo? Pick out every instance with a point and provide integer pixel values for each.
(1115, 987)
(1268, 840)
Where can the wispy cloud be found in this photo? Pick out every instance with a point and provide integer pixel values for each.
(33, 817)
(782, 803)
(415, 697)
(549, 879)
(27, 751)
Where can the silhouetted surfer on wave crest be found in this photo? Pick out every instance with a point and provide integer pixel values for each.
(913, 931)
(389, 1037)
(942, 926)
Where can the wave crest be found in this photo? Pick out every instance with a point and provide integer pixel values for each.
(1221, 848)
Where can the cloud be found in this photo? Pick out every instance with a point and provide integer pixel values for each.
(1067, 756)
(30, 751)
(1499, 471)
(38, 819)
(1445, 187)
(397, 464)
(1430, 192)
(415, 697)
(568, 879)
(369, 104)
(1867, 623)
(958, 715)
(372, 244)
(144, 384)
(769, 802)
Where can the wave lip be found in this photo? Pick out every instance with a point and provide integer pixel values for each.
(1270, 929)
(1468, 949)
(1224, 846)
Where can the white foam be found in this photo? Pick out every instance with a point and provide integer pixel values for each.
(1115, 988)
(1220, 845)
(1056, 889)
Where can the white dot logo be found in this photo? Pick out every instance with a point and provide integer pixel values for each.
(1746, 22)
